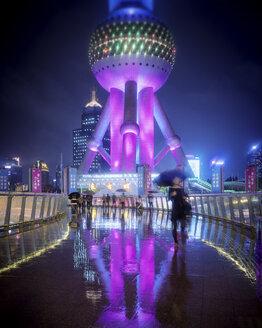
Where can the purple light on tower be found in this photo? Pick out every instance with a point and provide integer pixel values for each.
(131, 55)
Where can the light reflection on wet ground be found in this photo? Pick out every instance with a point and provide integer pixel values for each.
(115, 269)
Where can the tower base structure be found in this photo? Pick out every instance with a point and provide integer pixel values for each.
(132, 131)
(114, 183)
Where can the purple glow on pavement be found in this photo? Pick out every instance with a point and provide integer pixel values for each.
(130, 253)
(147, 273)
(116, 264)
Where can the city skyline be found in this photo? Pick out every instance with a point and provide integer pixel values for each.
(214, 86)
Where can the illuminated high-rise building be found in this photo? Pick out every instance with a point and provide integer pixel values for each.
(39, 177)
(14, 169)
(194, 162)
(131, 55)
(90, 116)
(254, 159)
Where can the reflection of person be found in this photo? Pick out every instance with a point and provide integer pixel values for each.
(89, 201)
(74, 204)
(170, 305)
(177, 196)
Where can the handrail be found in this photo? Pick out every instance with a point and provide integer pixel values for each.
(19, 209)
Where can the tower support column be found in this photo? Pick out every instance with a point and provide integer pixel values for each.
(116, 121)
(146, 126)
(129, 128)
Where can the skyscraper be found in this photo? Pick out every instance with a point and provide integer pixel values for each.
(254, 158)
(44, 180)
(14, 169)
(90, 116)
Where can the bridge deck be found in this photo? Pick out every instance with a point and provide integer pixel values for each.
(117, 269)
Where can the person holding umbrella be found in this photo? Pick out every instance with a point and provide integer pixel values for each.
(174, 179)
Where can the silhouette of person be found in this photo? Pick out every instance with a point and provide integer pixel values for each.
(177, 196)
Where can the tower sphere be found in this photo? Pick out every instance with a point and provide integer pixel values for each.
(131, 45)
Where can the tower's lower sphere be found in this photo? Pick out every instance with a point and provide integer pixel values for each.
(131, 45)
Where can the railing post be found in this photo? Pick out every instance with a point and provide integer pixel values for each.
(54, 206)
(42, 207)
(22, 212)
(157, 207)
(33, 208)
(222, 205)
(231, 208)
(240, 210)
(208, 206)
(215, 205)
(8, 210)
(49, 206)
(195, 203)
(162, 203)
(251, 211)
(202, 205)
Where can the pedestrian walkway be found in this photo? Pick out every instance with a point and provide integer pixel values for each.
(114, 268)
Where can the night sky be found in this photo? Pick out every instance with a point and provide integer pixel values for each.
(213, 96)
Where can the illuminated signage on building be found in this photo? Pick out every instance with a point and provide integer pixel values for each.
(126, 186)
(194, 163)
(217, 179)
(36, 180)
(3, 180)
(92, 186)
(251, 178)
(109, 186)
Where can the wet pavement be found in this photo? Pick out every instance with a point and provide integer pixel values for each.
(117, 269)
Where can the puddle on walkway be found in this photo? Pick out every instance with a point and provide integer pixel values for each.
(133, 276)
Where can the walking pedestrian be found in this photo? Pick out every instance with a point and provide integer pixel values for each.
(122, 200)
(114, 200)
(177, 196)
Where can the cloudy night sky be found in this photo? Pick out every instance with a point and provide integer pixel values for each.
(213, 96)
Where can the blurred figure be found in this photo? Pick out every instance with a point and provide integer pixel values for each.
(139, 205)
(122, 200)
(114, 200)
(108, 198)
(103, 200)
(178, 197)
(150, 201)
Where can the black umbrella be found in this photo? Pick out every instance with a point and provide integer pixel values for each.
(74, 194)
(88, 193)
(153, 191)
(166, 178)
(121, 190)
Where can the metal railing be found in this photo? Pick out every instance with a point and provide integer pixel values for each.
(241, 208)
(23, 208)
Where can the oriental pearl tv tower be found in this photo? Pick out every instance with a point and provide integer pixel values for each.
(131, 54)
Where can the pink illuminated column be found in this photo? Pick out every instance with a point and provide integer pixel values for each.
(146, 125)
(129, 128)
(117, 117)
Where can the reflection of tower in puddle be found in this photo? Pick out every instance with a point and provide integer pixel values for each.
(132, 273)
